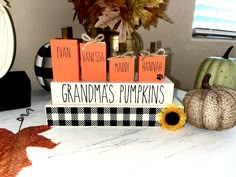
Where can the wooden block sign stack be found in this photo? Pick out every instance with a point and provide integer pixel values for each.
(84, 93)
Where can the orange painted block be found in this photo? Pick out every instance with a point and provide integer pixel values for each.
(65, 60)
(93, 61)
(121, 69)
(151, 68)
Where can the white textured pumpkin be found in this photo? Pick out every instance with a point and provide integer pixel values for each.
(211, 107)
(7, 38)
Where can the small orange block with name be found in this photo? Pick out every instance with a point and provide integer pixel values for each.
(121, 69)
(151, 68)
(93, 61)
(65, 60)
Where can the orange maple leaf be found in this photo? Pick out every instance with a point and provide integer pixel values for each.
(13, 156)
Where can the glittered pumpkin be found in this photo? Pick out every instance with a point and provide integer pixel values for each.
(211, 107)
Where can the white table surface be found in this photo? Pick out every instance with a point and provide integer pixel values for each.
(125, 151)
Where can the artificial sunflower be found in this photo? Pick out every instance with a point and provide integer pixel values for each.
(172, 117)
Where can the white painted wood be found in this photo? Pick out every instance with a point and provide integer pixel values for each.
(111, 93)
(7, 41)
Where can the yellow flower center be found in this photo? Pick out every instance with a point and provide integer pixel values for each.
(172, 118)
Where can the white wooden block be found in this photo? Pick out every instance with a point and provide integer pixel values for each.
(117, 94)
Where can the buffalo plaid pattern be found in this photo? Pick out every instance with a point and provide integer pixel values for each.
(101, 116)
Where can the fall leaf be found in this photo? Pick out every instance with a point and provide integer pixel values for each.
(87, 12)
(13, 155)
(141, 14)
(119, 3)
(109, 19)
(124, 28)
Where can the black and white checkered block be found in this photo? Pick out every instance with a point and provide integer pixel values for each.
(101, 116)
(43, 66)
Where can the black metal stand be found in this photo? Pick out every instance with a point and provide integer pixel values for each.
(15, 91)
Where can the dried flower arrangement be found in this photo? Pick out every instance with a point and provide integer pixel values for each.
(122, 16)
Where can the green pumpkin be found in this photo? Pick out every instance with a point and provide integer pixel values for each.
(222, 70)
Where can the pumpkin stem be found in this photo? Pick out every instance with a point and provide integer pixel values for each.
(226, 55)
(205, 81)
